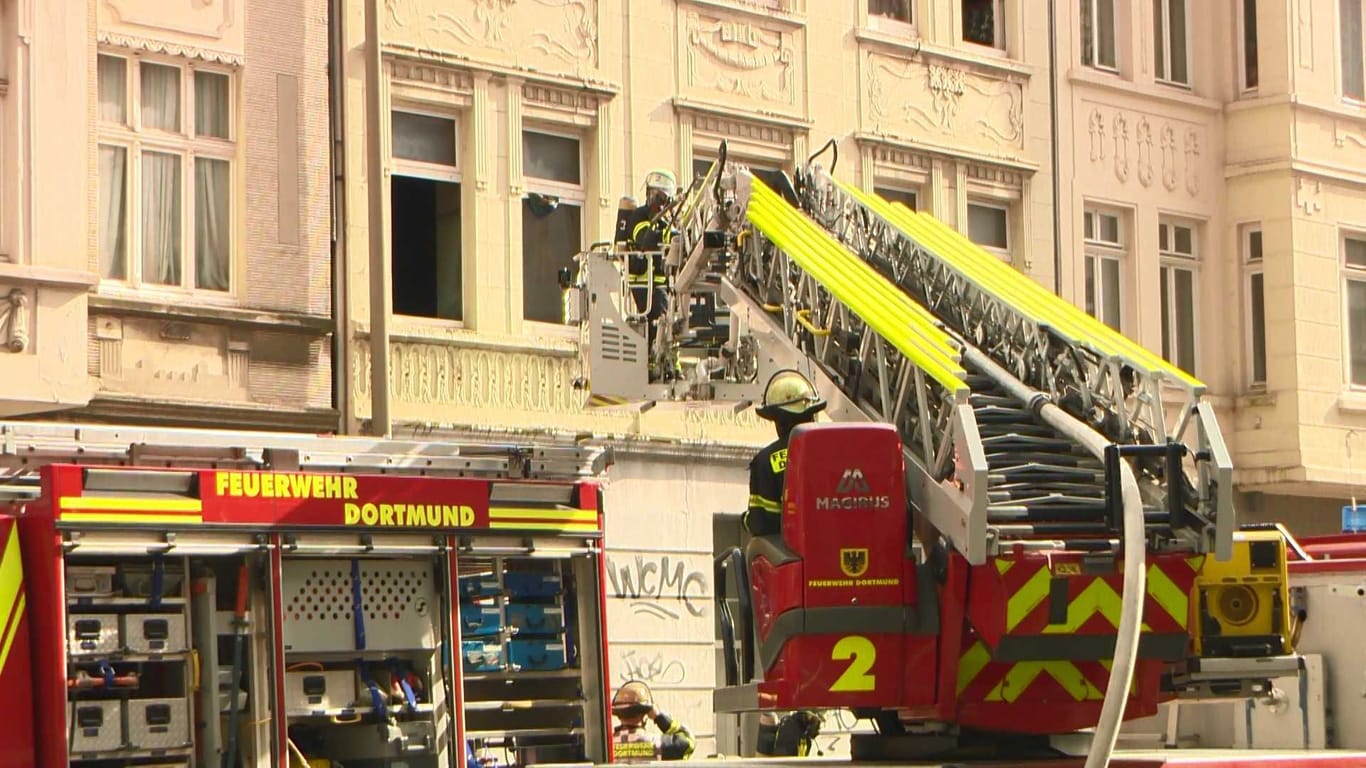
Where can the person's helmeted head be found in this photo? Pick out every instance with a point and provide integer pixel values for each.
(790, 399)
(660, 187)
(632, 702)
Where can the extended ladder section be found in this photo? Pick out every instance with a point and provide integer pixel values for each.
(1112, 383)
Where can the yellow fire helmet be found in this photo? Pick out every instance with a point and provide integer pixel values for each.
(632, 699)
(662, 179)
(790, 395)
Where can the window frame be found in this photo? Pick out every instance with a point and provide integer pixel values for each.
(1162, 30)
(1000, 205)
(575, 194)
(1359, 100)
(420, 169)
(889, 25)
(189, 147)
(998, 31)
(1095, 32)
(1170, 261)
(1253, 267)
(1350, 274)
(1244, 88)
(1095, 251)
(902, 188)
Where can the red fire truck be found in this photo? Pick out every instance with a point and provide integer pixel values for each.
(178, 597)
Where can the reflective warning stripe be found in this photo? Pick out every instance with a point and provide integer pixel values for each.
(1028, 597)
(1097, 598)
(759, 502)
(1023, 674)
(569, 520)
(12, 598)
(971, 664)
(1166, 593)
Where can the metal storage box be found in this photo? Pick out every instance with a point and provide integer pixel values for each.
(158, 724)
(96, 726)
(314, 691)
(90, 580)
(154, 633)
(92, 634)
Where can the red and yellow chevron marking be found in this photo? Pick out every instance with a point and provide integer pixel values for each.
(567, 520)
(115, 509)
(12, 594)
(1013, 597)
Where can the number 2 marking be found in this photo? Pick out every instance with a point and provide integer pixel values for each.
(862, 654)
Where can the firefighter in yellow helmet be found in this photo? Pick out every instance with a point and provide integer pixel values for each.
(631, 743)
(789, 400)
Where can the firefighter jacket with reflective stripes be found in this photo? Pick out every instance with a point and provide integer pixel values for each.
(637, 231)
(632, 744)
(766, 472)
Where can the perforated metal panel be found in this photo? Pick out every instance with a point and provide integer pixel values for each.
(398, 600)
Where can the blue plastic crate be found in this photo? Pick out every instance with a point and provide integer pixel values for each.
(480, 619)
(1354, 519)
(535, 619)
(481, 585)
(479, 656)
(531, 585)
(536, 655)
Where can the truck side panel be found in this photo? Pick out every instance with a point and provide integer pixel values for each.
(16, 727)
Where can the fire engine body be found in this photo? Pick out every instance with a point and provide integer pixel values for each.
(186, 597)
(956, 540)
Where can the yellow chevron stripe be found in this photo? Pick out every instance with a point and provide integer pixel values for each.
(13, 631)
(1023, 674)
(130, 504)
(565, 515)
(571, 527)
(1166, 594)
(11, 580)
(1197, 563)
(121, 517)
(1003, 566)
(971, 664)
(1027, 598)
(1097, 597)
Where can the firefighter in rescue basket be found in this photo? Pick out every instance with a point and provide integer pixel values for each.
(789, 400)
(632, 743)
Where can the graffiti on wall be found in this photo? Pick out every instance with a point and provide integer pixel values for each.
(651, 668)
(663, 587)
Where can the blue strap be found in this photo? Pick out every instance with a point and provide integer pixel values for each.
(376, 697)
(158, 581)
(357, 609)
(402, 680)
(108, 671)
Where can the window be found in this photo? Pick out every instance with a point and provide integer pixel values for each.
(552, 220)
(165, 174)
(1098, 34)
(905, 197)
(989, 227)
(424, 223)
(1247, 40)
(896, 10)
(1176, 247)
(984, 22)
(1104, 244)
(1256, 306)
(1169, 41)
(1353, 78)
(1354, 261)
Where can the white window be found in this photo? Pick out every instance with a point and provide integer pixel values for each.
(552, 219)
(906, 197)
(989, 227)
(424, 221)
(1176, 244)
(1104, 245)
(1353, 77)
(891, 10)
(1256, 306)
(1169, 41)
(165, 173)
(1098, 34)
(1354, 267)
(984, 22)
(1247, 45)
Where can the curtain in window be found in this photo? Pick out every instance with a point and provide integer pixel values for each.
(211, 104)
(113, 88)
(211, 225)
(160, 97)
(161, 218)
(112, 172)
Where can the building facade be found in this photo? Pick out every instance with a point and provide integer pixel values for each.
(1189, 172)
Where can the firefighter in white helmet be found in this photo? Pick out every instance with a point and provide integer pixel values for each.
(631, 743)
(789, 400)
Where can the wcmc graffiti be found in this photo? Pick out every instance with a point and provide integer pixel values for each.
(663, 588)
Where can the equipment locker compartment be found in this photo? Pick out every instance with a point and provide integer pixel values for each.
(316, 615)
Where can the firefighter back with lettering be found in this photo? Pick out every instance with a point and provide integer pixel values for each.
(632, 743)
(789, 400)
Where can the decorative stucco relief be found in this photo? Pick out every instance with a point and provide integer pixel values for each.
(474, 383)
(532, 33)
(1343, 133)
(912, 97)
(14, 320)
(181, 50)
(431, 76)
(740, 58)
(1179, 144)
(1307, 192)
(203, 18)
